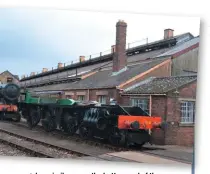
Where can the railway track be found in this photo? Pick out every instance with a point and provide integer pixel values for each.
(42, 149)
(94, 142)
(28, 151)
(76, 138)
(101, 144)
(36, 148)
(56, 151)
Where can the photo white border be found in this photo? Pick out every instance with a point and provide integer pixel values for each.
(160, 7)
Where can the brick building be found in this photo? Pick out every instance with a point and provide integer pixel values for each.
(173, 98)
(108, 76)
(183, 47)
(7, 76)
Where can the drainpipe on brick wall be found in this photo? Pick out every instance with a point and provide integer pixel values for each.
(150, 105)
(88, 95)
(150, 110)
(165, 118)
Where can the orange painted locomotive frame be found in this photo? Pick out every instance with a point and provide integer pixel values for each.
(145, 122)
(8, 108)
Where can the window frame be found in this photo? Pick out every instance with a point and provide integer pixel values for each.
(189, 117)
(143, 101)
(100, 98)
(83, 96)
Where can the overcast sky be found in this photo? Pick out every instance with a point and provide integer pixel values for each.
(31, 39)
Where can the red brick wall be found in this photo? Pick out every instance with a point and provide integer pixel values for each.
(189, 91)
(124, 100)
(177, 133)
(158, 109)
(185, 136)
(112, 93)
(172, 119)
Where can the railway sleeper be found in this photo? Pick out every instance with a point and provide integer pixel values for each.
(32, 152)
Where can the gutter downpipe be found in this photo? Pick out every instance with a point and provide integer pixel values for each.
(150, 110)
(88, 94)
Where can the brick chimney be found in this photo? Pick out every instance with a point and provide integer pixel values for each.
(33, 73)
(81, 58)
(44, 70)
(168, 33)
(119, 56)
(113, 48)
(60, 65)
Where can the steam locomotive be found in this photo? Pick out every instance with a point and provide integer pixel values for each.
(9, 94)
(114, 123)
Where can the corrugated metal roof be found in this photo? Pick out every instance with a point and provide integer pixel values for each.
(180, 38)
(180, 47)
(159, 85)
(136, 60)
(104, 78)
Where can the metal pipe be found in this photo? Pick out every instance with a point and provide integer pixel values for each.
(150, 105)
(142, 94)
(88, 95)
(150, 110)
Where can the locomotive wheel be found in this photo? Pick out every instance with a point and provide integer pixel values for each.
(34, 117)
(85, 132)
(48, 122)
(101, 123)
(17, 117)
(2, 116)
(115, 136)
(69, 124)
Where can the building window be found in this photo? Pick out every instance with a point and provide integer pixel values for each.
(9, 79)
(187, 112)
(81, 97)
(68, 97)
(102, 99)
(142, 103)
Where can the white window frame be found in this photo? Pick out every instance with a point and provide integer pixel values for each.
(81, 97)
(143, 103)
(102, 99)
(187, 112)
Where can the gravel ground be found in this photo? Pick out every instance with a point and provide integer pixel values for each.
(6, 150)
(41, 148)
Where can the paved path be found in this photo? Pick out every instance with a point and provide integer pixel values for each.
(177, 152)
